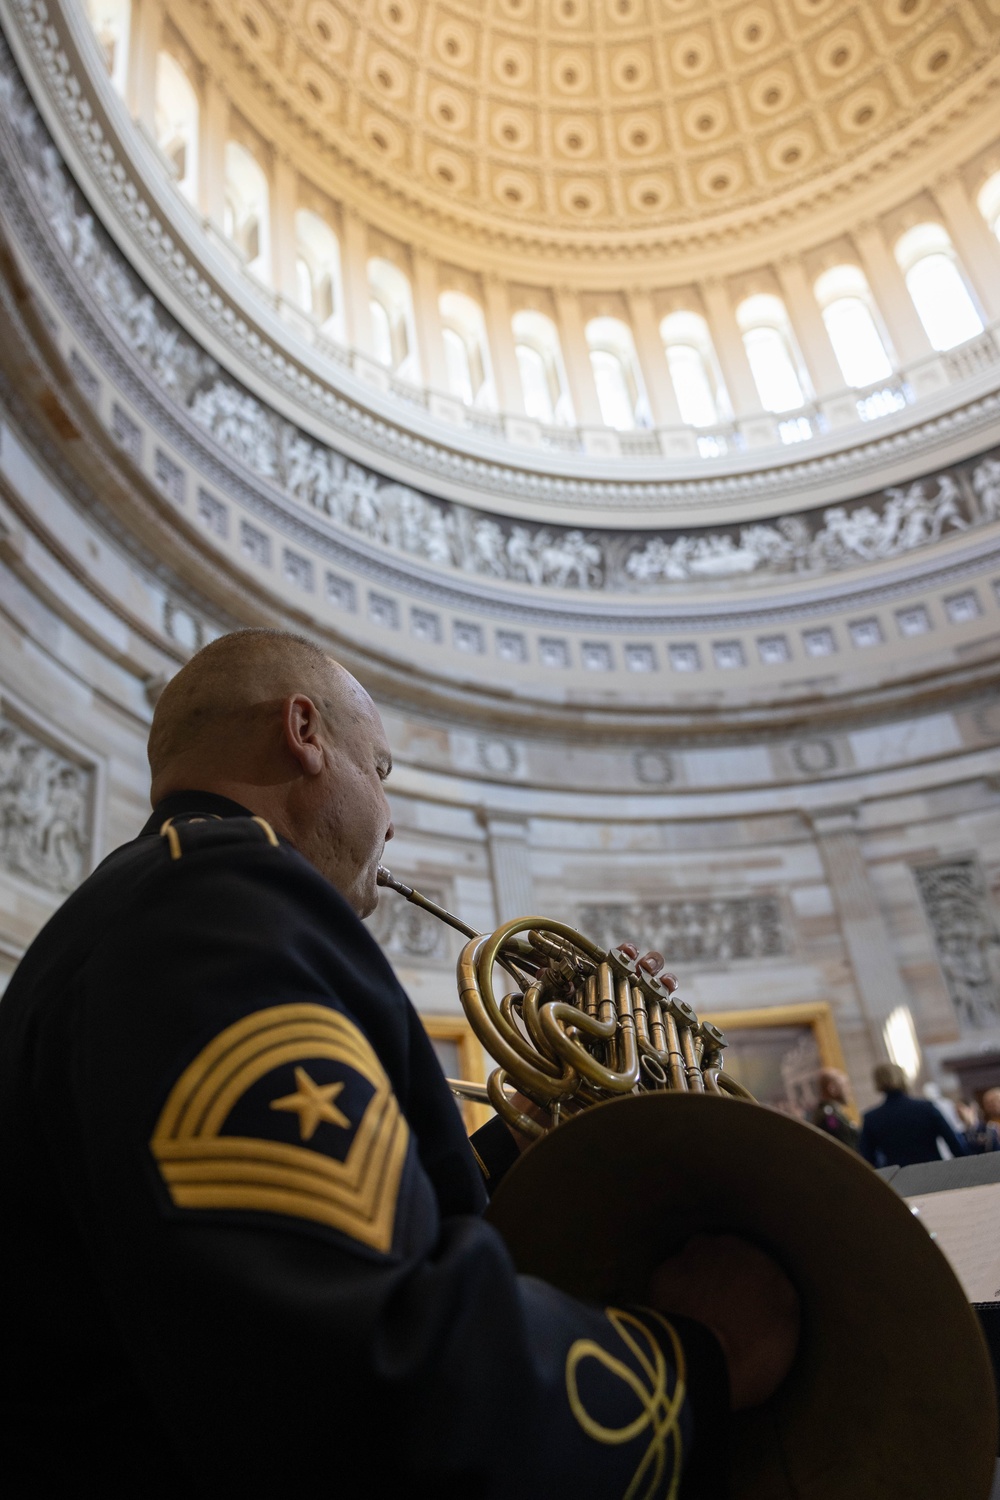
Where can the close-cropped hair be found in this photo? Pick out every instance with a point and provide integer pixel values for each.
(233, 677)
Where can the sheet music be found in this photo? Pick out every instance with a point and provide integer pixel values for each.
(966, 1225)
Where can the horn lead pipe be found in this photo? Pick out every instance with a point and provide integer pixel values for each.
(387, 878)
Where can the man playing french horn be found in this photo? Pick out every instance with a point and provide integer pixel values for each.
(243, 1236)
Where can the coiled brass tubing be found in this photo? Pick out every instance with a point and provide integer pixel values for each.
(584, 1024)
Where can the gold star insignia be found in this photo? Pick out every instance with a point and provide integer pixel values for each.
(312, 1103)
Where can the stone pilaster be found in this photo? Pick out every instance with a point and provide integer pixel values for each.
(503, 355)
(879, 984)
(284, 251)
(213, 131)
(729, 348)
(759, 428)
(653, 361)
(510, 866)
(428, 320)
(810, 331)
(976, 247)
(357, 293)
(145, 36)
(889, 289)
(576, 358)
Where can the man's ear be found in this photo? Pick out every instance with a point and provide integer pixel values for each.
(301, 725)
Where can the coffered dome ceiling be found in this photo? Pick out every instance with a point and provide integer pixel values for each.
(583, 121)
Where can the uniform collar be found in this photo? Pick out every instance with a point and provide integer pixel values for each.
(192, 804)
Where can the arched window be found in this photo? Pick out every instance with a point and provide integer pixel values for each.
(694, 369)
(543, 374)
(393, 327)
(246, 214)
(317, 269)
(616, 374)
(111, 20)
(177, 122)
(848, 311)
(935, 282)
(466, 350)
(988, 199)
(771, 350)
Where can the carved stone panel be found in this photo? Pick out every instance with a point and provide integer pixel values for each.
(406, 933)
(963, 921)
(699, 931)
(45, 802)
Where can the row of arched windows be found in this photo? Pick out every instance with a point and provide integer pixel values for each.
(860, 340)
(857, 334)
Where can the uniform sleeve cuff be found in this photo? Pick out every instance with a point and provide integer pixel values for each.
(495, 1150)
(706, 1467)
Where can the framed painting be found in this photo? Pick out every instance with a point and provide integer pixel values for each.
(777, 1051)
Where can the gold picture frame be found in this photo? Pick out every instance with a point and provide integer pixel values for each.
(456, 1031)
(815, 1015)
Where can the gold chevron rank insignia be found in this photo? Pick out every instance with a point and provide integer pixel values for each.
(287, 1112)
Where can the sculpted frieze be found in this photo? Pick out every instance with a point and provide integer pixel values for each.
(962, 918)
(700, 930)
(406, 933)
(873, 528)
(44, 811)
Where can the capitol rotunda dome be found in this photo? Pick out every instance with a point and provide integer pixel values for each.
(600, 130)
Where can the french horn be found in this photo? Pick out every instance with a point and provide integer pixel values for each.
(640, 1139)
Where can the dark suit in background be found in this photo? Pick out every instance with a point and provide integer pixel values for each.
(902, 1131)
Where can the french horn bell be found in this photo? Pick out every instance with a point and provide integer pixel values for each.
(648, 1142)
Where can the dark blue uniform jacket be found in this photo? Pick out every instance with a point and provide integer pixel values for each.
(241, 1238)
(903, 1131)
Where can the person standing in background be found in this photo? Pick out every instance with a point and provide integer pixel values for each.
(948, 1107)
(902, 1131)
(830, 1114)
(983, 1130)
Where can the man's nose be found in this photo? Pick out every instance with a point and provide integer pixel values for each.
(390, 832)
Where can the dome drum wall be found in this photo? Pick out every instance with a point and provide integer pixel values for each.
(730, 875)
(670, 625)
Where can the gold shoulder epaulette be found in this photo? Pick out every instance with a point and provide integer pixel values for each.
(171, 829)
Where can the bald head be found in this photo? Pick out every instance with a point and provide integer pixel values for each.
(232, 685)
(266, 718)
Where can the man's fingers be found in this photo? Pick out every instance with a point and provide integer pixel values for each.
(651, 962)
